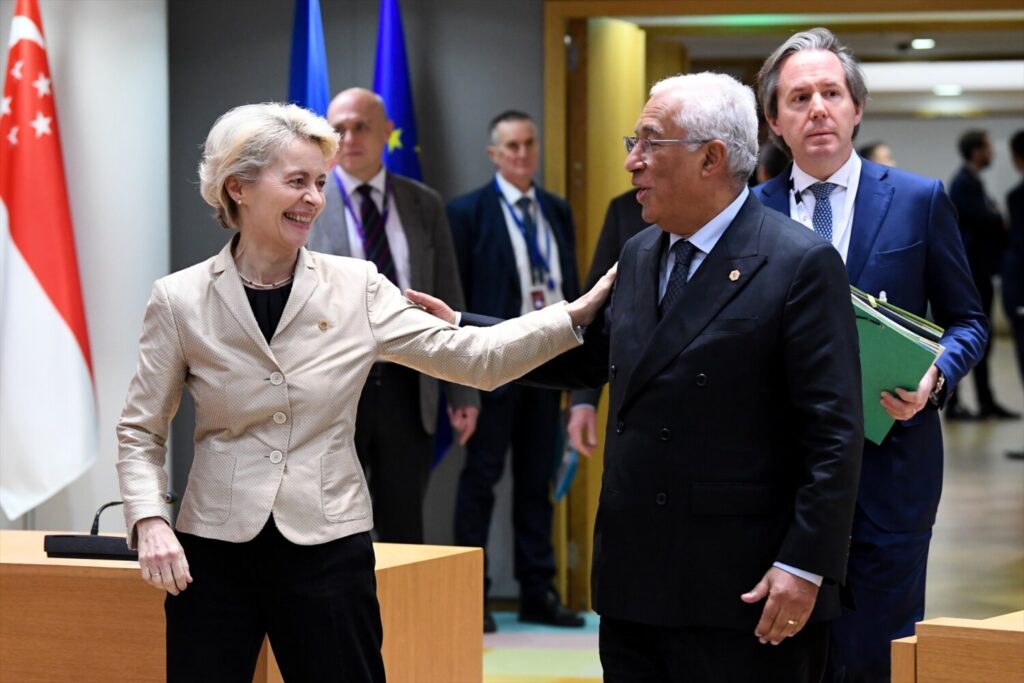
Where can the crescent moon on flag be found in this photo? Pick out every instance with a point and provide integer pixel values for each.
(23, 28)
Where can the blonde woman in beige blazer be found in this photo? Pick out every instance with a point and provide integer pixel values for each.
(274, 343)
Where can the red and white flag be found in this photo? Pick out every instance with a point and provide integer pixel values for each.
(47, 396)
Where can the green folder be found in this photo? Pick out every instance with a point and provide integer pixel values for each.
(896, 350)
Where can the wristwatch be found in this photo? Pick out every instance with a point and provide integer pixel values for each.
(940, 384)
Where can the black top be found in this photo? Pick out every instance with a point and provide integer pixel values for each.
(267, 306)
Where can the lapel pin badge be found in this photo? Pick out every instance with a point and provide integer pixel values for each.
(323, 324)
(734, 276)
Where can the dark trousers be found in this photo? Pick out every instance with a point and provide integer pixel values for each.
(640, 653)
(982, 385)
(528, 420)
(1013, 301)
(886, 576)
(395, 451)
(318, 605)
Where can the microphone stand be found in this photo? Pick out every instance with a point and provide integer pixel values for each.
(93, 546)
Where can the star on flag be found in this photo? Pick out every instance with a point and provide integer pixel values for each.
(41, 124)
(395, 140)
(42, 85)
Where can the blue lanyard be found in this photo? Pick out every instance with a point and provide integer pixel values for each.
(351, 208)
(531, 245)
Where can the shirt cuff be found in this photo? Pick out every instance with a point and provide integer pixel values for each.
(582, 405)
(458, 318)
(807, 576)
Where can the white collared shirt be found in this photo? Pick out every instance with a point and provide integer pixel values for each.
(546, 242)
(397, 242)
(801, 200)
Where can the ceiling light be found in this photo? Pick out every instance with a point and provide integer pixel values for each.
(947, 90)
(922, 43)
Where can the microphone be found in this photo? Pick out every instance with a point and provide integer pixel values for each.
(94, 546)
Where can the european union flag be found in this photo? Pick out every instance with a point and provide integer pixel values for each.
(307, 82)
(391, 82)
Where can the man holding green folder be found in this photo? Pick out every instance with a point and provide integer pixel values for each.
(898, 234)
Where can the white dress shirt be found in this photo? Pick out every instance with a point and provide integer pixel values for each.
(801, 200)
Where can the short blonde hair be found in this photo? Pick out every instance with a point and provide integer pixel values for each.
(246, 139)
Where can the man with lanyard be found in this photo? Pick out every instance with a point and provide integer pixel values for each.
(516, 253)
(400, 225)
(897, 233)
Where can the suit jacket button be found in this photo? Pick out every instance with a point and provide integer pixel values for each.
(276, 378)
(620, 427)
(280, 418)
(611, 371)
(661, 499)
(276, 456)
(702, 379)
(664, 434)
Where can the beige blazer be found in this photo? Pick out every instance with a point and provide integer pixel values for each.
(275, 422)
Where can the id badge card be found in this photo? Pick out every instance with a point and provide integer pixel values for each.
(537, 299)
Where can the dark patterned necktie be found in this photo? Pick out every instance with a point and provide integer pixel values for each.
(822, 218)
(532, 247)
(375, 239)
(683, 251)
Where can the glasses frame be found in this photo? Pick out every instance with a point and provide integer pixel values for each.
(631, 141)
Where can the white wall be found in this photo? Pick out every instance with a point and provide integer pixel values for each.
(108, 60)
(929, 146)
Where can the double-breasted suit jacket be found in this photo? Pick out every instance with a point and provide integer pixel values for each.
(432, 266)
(905, 242)
(734, 426)
(275, 421)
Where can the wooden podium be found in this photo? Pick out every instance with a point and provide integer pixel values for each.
(962, 651)
(95, 620)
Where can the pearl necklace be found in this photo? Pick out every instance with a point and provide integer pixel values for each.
(260, 285)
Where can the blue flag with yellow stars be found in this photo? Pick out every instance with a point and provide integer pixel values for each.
(391, 82)
(307, 82)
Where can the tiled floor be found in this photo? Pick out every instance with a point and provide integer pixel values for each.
(976, 568)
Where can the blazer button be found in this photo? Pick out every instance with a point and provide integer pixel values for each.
(664, 434)
(276, 456)
(661, 499)
(702, 379)
(620, 427)
(280, 418)
(276, 378)
(611, 371)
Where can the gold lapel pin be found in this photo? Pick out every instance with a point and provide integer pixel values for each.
(734, 275)
(323, 324)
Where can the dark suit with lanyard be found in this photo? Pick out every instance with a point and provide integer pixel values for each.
(507, 269)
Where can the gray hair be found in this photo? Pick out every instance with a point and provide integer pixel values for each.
(814, 39)
(246, 139)
(712, 106)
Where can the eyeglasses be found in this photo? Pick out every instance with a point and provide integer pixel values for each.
(646, 144)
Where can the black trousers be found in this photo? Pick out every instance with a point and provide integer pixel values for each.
(528, 420)
(395, 451)
(640, 653)
(318, 604)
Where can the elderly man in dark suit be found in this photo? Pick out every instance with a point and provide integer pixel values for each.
(400, 225)
(897, 233)
(735, 423)
(515, 245)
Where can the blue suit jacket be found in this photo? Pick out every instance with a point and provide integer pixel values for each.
(487, 263)
(906, 242)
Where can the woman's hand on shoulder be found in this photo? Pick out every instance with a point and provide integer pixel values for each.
(584, 309)
(161, 556)
(432, 305)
